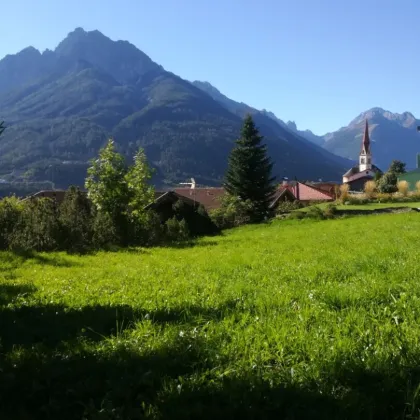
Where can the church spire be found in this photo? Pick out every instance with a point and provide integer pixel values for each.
(366, 140)
(365, 158)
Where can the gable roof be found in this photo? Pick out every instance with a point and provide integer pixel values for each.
(282, 193)
(209, 198)
(304, 192)
(169, 196)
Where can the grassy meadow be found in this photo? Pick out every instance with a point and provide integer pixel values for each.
(291, 320)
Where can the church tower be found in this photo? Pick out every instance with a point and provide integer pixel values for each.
(365, 157)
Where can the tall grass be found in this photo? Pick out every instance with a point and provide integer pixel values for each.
(344, 192)
(293, 319)
(403, 188)
(370, 188)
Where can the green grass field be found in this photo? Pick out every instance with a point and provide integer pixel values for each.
(369, 206)
(292, 320)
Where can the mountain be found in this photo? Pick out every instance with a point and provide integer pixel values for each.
(61, 106)
(267, 120)
(393, 136)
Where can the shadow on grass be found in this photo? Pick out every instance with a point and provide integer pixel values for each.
(49, 325)
(174, 381)
(10, 261)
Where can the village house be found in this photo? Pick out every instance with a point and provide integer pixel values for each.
(301, 192)
(357, 176)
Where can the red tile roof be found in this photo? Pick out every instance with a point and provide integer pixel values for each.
(209, 198)
(304, 192)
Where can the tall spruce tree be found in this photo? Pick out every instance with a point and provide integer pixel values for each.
(249, 172)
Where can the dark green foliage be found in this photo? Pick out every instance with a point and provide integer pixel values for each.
(388, 183)
(76, 221)
(330, 211)
(38, 228)
(177, 230)
(249, 172)
(10, 212)
(105, 233)
(233, 212)
(288, 206)
(378, 176)
(196, 218)
(397, 167)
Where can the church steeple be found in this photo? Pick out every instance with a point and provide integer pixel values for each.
(365, 158)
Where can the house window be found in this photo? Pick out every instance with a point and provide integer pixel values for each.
(362, 160)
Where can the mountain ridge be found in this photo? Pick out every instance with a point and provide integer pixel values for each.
(62, 105)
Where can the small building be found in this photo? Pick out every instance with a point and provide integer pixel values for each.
(357, 176)
(209, 198)
(300, 191)
(56, 195)
(412, 177)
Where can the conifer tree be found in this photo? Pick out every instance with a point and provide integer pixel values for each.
(249, 173)
(2, 127)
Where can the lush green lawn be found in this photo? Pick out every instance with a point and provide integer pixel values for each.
(370, 206)
(297, 319)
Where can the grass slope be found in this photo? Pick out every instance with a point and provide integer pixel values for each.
(298, 319)
(369, 206)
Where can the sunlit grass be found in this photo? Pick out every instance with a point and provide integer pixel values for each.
(296, 319)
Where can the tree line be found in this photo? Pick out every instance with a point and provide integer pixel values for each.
(117, 211)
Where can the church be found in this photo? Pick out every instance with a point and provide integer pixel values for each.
(357, 176)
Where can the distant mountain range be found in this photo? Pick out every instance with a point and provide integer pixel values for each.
(393, 136)
(61, 106)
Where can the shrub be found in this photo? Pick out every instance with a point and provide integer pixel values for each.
(105, 233)
(10, 212)
(76, 221)
(356, 200)
(330, 211)
(299, 215)
(315, 212)
(388, 183)
(38, 227)
(148, 230)
(344, 192)
(418, 187)
(369, 188)
(403, 187)
(196, 218)
(384, 198)
(288, 206)
(233, 212)
(176, 231)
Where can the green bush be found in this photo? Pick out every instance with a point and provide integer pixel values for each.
(232, 213)
(298, 215)
(38, 227)
(330, 211)
(10, 213)
(76, 222)
(288, 206)
(105, 233)
(176, 231)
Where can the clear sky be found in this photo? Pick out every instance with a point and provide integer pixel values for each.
(317, 62)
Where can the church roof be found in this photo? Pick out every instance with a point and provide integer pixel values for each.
(355, 171)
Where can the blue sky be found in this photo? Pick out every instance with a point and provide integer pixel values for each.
(317, 62)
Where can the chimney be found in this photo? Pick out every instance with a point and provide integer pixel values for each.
(418, 160)
(285, 182)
